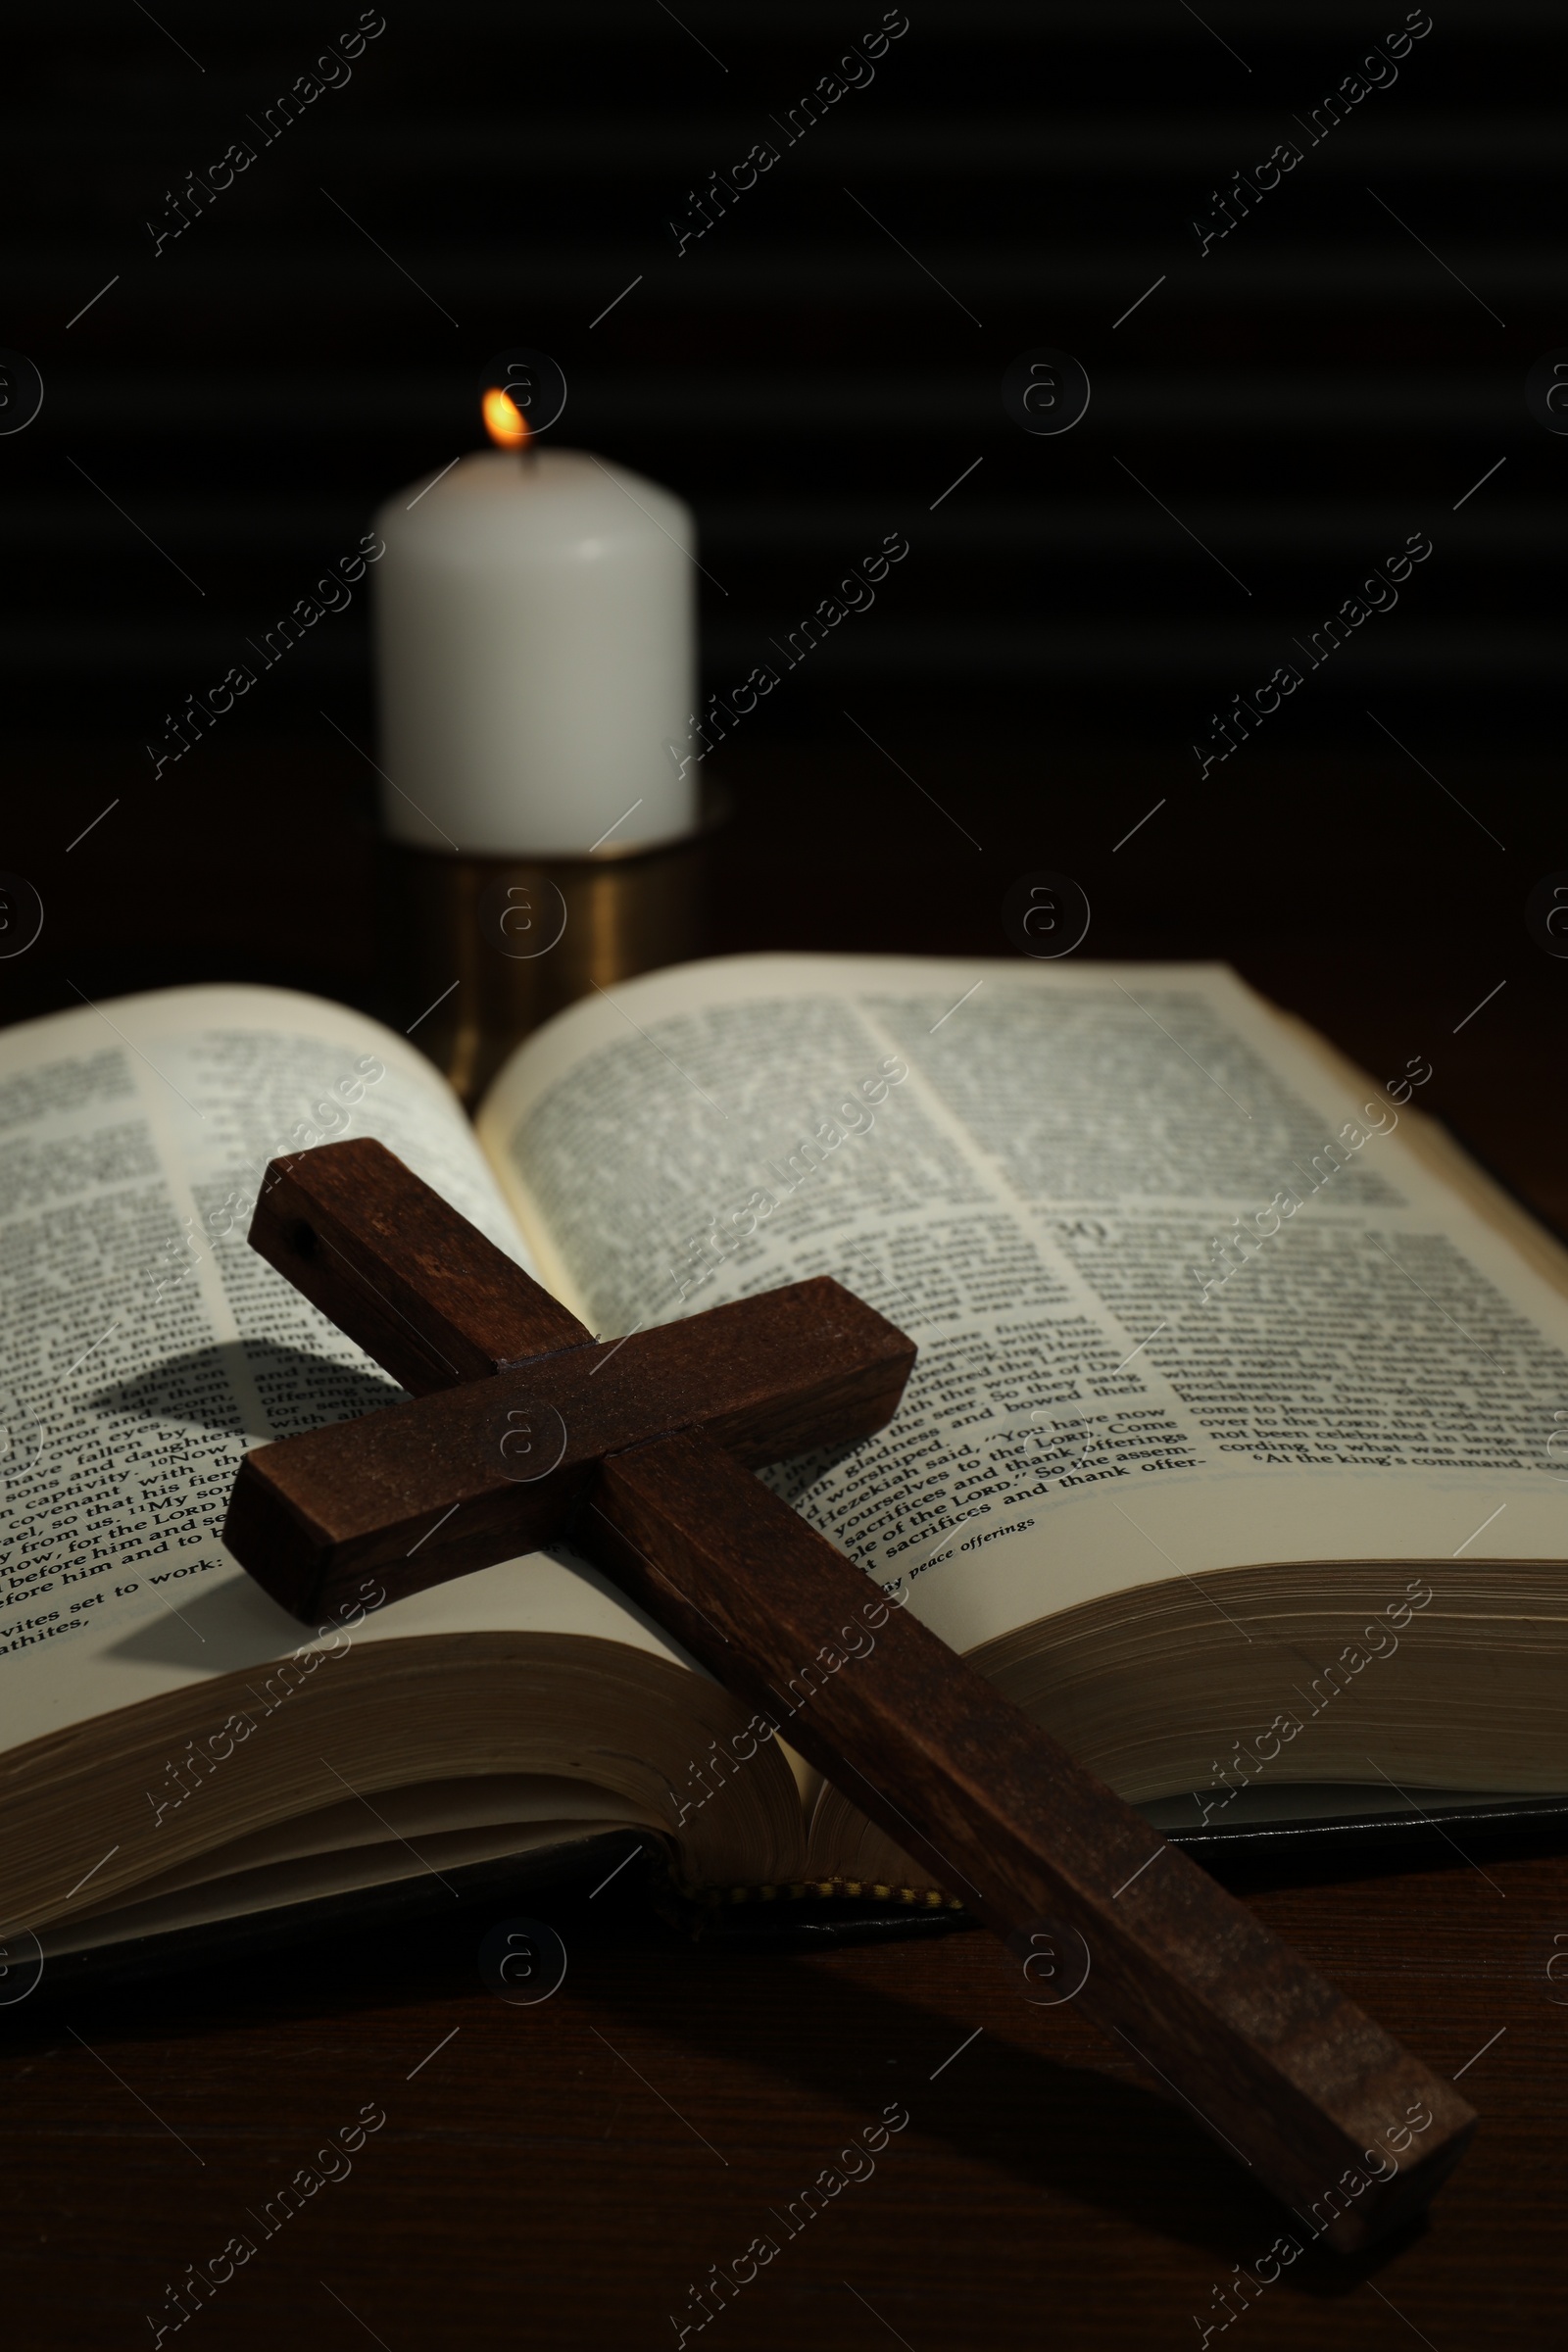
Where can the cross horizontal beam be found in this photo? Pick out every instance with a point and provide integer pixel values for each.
(447, 1483)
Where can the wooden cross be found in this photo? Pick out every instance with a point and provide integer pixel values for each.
(523, 1429)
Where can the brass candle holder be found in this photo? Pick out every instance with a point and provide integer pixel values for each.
(499, 944)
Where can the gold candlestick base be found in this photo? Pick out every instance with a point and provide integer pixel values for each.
(499, 944)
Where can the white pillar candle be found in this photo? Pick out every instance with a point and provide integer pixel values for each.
(535, 621)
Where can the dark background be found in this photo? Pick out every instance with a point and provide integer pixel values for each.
(1316, 389)
(1305, 397)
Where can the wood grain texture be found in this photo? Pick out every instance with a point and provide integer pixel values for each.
(394, 1264)
(495, 1464)
(1048, 2196)
(432, 1489)
(1292, 2077)
(1322, 2104)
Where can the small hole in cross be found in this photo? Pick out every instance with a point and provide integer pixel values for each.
(301, 1238)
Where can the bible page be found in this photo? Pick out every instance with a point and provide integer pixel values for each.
(1186, 1297)
(148, 1344)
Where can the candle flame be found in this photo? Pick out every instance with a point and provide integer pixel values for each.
(504, 420)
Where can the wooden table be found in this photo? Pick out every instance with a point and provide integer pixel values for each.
(562, 2175)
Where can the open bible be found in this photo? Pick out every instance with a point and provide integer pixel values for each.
(1237, 1450)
